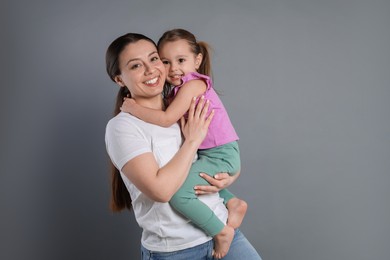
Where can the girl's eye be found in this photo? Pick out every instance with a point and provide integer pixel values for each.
(165, 62)
(181, 60)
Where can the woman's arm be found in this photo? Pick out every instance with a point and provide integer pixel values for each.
(160, 184)
(175, 110)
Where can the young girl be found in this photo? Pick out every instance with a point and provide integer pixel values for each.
(187, 63)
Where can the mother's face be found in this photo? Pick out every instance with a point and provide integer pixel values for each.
(142, 71)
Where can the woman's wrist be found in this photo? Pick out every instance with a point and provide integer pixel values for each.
(192, 145)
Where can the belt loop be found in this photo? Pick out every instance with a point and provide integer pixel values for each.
(146, 254)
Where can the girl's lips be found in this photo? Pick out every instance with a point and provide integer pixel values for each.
(176, 76)
(175, 79)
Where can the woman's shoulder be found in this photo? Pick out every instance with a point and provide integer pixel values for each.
(125, 123)
(122, 121)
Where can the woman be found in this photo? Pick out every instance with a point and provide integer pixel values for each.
(154, 162)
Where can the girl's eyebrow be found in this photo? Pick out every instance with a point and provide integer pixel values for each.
(135, 59)
(181, 57)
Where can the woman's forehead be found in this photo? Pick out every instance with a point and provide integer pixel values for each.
(138, 50)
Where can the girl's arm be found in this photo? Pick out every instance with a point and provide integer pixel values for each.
(159, 184)
(178, 107)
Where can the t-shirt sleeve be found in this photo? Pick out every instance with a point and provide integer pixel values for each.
(124, 141)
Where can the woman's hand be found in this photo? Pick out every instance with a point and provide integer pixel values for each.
(219, 182)
(195, 128)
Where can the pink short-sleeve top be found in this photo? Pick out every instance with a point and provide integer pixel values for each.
(221, 130)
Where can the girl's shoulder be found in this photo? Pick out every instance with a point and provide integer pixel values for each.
(195, 78)
(195, 75)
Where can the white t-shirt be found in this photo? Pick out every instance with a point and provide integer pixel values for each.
(164, 230)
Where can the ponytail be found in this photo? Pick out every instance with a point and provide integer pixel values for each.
(205, 65)
(120, 197)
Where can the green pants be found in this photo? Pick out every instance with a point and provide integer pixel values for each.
(224, 158)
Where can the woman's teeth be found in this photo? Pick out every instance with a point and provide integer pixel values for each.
(152, 81)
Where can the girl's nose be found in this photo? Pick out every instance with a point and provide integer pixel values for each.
(173, 67)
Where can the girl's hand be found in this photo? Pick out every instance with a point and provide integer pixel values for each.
(129, 105)
(195, 128)
(219, 182)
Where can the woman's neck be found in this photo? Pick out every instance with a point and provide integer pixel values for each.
(154, 103)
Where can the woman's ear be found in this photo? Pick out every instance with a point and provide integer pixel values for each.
(119, 81)
(198, 60)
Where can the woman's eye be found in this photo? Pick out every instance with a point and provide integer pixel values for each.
(135, 66)
(154, 59)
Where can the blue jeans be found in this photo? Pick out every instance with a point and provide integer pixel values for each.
(239, 249)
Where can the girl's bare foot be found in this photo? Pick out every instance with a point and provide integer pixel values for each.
(236, 212)
(222, 242)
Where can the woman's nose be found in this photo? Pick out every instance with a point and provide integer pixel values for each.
(149, 69)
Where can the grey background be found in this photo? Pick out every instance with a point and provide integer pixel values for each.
(306, 84)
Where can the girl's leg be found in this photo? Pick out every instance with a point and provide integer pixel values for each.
(187, 203)
(226, 195)
(236, 209)
(224, 158)
(229, 155)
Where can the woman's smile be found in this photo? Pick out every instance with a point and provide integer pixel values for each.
(152, 82)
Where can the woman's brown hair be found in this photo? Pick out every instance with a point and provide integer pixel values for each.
(120, 197)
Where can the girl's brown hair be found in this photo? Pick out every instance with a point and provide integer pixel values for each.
(120, 197)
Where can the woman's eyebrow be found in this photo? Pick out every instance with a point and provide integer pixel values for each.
(150, 54)
(131, 60)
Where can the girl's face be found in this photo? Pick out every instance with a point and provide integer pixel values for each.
(142, 71)
(178, 60)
